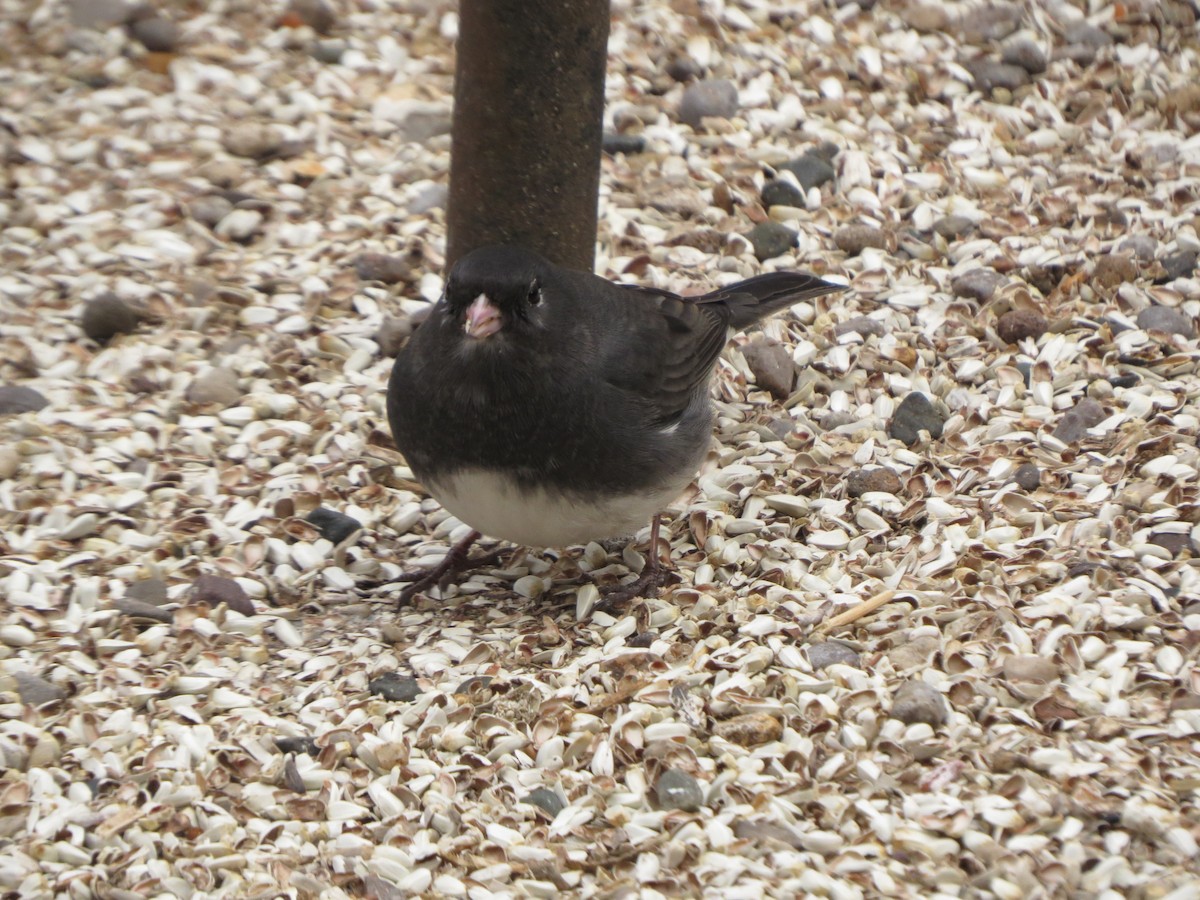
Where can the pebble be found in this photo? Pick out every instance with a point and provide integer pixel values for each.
(863, 326)
(977, 284)
(927, 18)
(771, 364)
(1167, 319)
(334, 526)
(1073, 426)
(106, 316)
(209, 209)
(811, 169)
(297, 744)
(1026, 53)
(222, 173)
(328, 51)
(217, 589)
(157, 34)
(98, 14)
(683, 68)
(1028, 477)
(1175, 543)
(615, 142)
(1018, 324)
(771, 239)
(865, 481)
(16, 636)
(1114, 269)
(16, 398)
(253, 140)
(915, 414)
(952, 227)
(318, 15)
(1087, 35)
(140, 609)
(916, 701)
(1028, 667)
(393, 333)
(396, 687)
(1142, 246)
(240, 225)
(36, 691)
(780, 192)
(1181, 264)
(989, 75)
(716, 98)
(388, 268)
(750, 730)
(215, 385)
(854, 239)
(676, 789)
(983, 25)
(148, 590)
(828, 653)
(547, 800)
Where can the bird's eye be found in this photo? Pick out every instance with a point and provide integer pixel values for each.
(535, 293)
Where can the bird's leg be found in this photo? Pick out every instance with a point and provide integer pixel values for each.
(654, 576)
(456, 561)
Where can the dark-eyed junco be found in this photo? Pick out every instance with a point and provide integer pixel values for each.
(550, 407)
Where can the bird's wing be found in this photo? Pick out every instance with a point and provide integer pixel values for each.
(662, 347)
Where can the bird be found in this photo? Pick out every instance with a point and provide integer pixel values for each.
(549, 407)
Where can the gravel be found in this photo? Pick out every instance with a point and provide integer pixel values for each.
(955, 680)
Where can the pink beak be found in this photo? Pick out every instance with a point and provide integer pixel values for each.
(482, 319)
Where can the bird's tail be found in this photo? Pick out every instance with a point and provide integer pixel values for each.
(756, 298)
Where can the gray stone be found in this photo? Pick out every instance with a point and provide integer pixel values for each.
(1179, 265)
(16, 398)
(37, 691)
(156, 33)
(1028, 477)
(329, 51)
(334, 526)
(828, 653)
(615, 142)
(547, 800)
(1027, 54)
(215, 385)
(977, 284)
(253, 140)
(396, 687)
(989, 75)
(677, 789)
(916, 701)
(209, 209)
(98, 14)
(993, 22)
(1166, 319)
(811, 170)
(717, 98)
(148, 590)
(772, 366)
(393, 333)
(914, 415)
(780, 192)
(388, 268)
(106, 316)
(771, 239)
(1142, 246)
(951, 227)
(217, 589)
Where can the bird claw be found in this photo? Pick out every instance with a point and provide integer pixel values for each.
(455, 562)
(647, 585)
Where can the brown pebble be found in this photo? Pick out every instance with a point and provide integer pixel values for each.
(384, 267)
(1114, 269)
(854, 239)
(863, 481)
(1016, 325)
(772, 366)
(750, 730)
(106, 316)
(860, 325)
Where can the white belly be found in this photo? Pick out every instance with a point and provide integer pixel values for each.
(493, 504)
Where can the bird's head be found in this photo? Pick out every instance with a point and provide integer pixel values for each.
(496, 291)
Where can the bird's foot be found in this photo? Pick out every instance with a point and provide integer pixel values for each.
(647, 585)
(457, 561)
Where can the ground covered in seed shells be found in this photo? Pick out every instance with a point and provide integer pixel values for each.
(936, 628)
